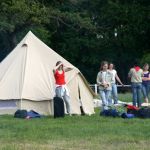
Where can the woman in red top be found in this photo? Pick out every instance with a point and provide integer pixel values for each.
(61, 89)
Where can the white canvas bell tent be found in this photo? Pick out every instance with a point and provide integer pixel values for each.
(27, 81)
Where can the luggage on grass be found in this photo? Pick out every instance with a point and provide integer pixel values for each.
(110, 112)
(132, 110)
(126, 115)
(58, 107)
(33, 114)
(21, 113)
(144, 112)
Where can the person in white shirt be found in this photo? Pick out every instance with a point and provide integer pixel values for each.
(114, 92)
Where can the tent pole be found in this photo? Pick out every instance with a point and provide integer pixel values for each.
(21, 103)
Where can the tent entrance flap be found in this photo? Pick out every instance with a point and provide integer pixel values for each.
(80, 102)
(86, 97)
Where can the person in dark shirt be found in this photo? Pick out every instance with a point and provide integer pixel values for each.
(146, 82)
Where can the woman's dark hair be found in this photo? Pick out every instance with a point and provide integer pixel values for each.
(58, 62)
(112, 64)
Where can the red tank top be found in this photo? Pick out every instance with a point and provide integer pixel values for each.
(60, 78)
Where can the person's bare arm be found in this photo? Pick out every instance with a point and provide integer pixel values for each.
(149, 77)
(56, 67)
(144, 78)
(129, 74)
(66, 69)
(118, 79)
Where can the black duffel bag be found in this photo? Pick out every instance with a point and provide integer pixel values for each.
(144, 112)
(21, 113)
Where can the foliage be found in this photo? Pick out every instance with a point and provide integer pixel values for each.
(145, 59)
(16, 18)
(82, 31)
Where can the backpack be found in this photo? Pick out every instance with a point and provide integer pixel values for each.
(20, 113)
(59, 110)
(132, 109)
(125, 115)
(110, 112)
(144, 112)
(33, 114)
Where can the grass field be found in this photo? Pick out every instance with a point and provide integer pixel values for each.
(74, 133)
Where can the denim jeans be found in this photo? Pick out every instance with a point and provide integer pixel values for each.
(145, 90)
(136, 93)
(114, 94)
(105, 96)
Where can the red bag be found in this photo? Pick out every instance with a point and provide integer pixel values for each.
(132, 107)
(132, 110)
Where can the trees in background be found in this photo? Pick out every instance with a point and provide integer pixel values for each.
(82, 31)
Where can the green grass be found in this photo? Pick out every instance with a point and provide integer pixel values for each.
(74, 133)
(127, 97)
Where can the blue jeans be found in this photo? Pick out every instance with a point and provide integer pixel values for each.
(114, 94)
(105, 96)
(145, 90)
(136, 93)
